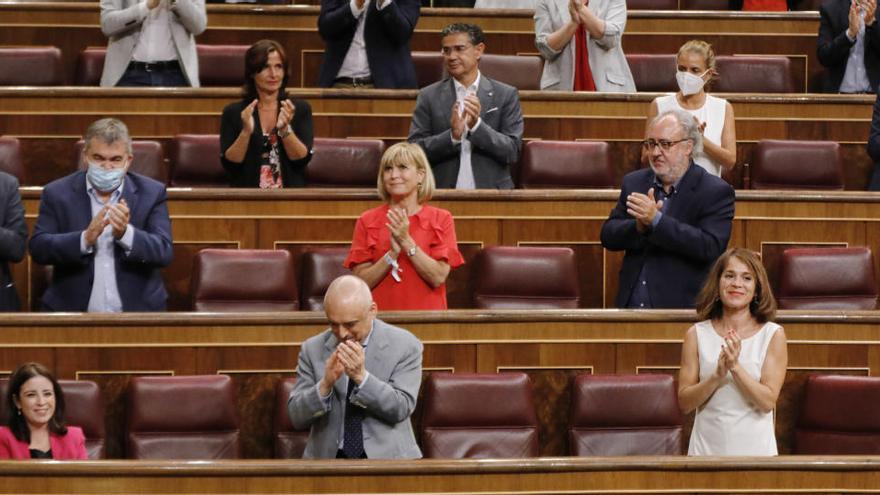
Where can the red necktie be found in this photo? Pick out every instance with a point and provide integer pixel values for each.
(583, 76)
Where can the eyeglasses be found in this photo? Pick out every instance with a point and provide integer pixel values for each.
(665, 145)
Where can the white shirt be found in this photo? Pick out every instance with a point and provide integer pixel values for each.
(465, 178)
(855, 77)
(355, 63)
(155, 43)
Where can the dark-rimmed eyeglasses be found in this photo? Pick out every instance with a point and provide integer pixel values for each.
(665, 145)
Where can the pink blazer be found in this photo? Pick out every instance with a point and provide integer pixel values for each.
(70, 446)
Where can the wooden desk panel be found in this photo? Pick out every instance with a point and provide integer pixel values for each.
(551, 346)
(75, 26)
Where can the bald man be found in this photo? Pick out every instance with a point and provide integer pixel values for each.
(357, 381)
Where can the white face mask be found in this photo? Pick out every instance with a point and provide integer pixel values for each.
(690, 84)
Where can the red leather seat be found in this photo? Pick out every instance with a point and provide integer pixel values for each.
(195, 161)
(290, 443)
(319, 268)
(827, 278)
(566, 165)
(754, 74)
(520, 71)
(221, 65)
(479, 415)
(780, 164)
(839, 416)
(83, 407)
(149, 159)
(344, 162)
(653, 72)
(624, 415)
(651, 4)
(230, 280)
(526, 278)
(90, 66)
(429, 67)
(31, 66)
(705, 5)
(182, 417)
(10, 158)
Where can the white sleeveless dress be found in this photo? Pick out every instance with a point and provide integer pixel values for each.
(712, 113)
(727, 424)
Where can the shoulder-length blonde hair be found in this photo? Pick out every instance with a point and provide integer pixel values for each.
(409, 154)
(762, 307)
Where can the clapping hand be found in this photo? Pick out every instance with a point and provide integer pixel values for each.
(285, 115)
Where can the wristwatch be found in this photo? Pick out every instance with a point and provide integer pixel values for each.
(283, 133)
(412, 251)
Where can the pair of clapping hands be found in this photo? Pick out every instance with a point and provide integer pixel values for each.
(347, 358)
(856, 7)
(116, 215)
(465, 114)
(398, 226)
(729, 356)
(285, 115)
(578, 10)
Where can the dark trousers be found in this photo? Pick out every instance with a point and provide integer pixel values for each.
(138, 76)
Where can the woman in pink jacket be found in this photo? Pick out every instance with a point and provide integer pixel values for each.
(36, 427)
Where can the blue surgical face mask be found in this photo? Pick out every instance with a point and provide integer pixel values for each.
(105, 180)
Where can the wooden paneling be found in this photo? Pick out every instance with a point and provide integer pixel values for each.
(551, 346)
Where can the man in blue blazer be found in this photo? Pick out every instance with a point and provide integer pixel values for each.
(357, 382)
(672, 219)
(367, 43)
(106, 231)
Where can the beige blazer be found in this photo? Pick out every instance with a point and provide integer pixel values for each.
(610, 71)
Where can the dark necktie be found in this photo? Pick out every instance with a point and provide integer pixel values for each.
(353, 435)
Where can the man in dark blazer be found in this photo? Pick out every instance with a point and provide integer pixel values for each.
(874, 146)
(468, 118)
(13, 239)
(367, 43)
(672, 219)
(106, 231)
(357, 382)
(849, 34)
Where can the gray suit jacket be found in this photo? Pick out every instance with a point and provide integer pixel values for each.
(394, 361)
(121, 21)
(607, 62)
(496, 142)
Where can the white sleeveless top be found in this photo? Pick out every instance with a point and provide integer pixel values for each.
(727, 424)
(712, 113)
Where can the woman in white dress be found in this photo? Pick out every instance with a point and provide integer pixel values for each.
(733, 362)
(696, 68)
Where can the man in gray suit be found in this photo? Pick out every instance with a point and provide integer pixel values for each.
(357, 382)
(152, 42)
(470, 126)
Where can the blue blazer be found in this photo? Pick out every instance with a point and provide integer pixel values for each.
(65, 212)
(386, 35)
(678, 253)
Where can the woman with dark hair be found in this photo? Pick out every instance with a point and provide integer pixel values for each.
(36, 428)
(266, 138)
(733, 362)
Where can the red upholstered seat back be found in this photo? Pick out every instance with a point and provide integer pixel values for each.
(90, 66)
(31, 66)
(653, 72)
(705, 5)
(182, 417)
(780, 164)
(566, 164)
(290, 443)
(344, 162)
(429, 67)
(83, 407)
(624, 415)
(523, 72)
(479, 415)
(195, 161)
(229, 280)
(319, 268)
(827, 278)
(526, 278)
(652, 5)
(149, 159)
(221, 65)
(839, 416)
(10, 158)
(754, 74)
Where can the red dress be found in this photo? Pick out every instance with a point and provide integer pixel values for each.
(433, 231)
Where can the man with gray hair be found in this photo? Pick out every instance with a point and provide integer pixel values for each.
(105, 230)
(357, 381)
(672, 219)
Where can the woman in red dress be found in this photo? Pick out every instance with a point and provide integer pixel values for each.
(405, 248)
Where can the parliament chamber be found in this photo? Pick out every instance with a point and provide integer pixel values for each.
(259, 350)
